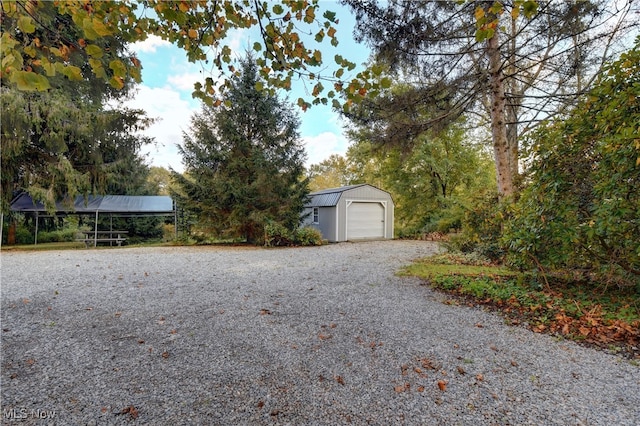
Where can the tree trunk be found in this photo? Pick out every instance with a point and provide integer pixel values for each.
(498, 118)
(11, 234)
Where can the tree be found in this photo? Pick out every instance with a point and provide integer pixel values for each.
(432, 182)
(484, 57)
(581, 207)
(330, 173)
(244, 162)
(62, 141)
(30, 61)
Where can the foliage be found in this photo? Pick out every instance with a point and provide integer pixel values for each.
(430, 181)
(62, 141)
(276, 235)
(307, 236)
(581, 207)
(244, 163)
(482, 228)
(511, 63)
(585, 312)
(35, 51)
(330, 173)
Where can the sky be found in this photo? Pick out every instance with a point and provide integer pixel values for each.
(168, 79)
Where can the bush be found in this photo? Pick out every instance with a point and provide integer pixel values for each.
(307, 236)
(278, 235)
(482, 230)
(581, 207)
(59, 236)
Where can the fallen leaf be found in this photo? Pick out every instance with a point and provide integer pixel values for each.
(103, 409)
(479, 325)
(513, 363)
(165, 354)
(442, 384)
(332, 325)
(141, 341)
(479, 377)
(420, 388)
(418, 370)
(89, 309)
(118, 314)
(174, 331)
(461, 370)
(404, 368)
(130, 410)
(265, 312)
(399, 388)
(30, 361)
(260, 404)
(324, 336)
(339, 379)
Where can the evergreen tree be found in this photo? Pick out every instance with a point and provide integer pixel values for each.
(244, 162)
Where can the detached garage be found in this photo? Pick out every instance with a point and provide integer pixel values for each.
(355, 212)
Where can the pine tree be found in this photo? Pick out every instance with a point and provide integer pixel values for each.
(244, 162)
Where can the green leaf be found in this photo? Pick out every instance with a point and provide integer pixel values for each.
(330, 16)
(277, 9)
(257, 46)
(72, 73)
(339, 72)
(94, 51)
(530, 8)
(25, 23)
(30, 81)
(118, 67)
(259, 86)
(385, 83)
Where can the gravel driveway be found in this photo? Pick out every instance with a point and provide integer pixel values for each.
(322, 335)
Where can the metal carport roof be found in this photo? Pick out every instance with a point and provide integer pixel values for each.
(134, 205)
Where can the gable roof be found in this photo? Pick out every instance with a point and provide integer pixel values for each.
(119, 204)
(330, 197)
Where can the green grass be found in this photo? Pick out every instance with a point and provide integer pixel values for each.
(583, 311)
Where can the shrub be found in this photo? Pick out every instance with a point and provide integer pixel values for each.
(482, 230)
(276, 235)
(307, 236)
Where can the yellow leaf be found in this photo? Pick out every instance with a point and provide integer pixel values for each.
(479, 14)
(193, 33)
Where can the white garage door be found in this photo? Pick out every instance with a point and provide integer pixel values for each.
(365, 220)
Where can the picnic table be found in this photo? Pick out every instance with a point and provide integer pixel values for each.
(95, 237)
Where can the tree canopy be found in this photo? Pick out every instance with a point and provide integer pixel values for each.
(511, 64)
(581, 208)
(244, 162)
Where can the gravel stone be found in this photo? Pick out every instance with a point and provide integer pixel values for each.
(320, 335)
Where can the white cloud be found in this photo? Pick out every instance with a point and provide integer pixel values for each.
(322, 146)
(185, 81)
(150, 45)
(173, 114)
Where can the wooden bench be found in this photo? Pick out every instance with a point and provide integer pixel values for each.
(103, 237)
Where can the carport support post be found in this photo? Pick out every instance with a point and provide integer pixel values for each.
(35, 241)
(95, 232)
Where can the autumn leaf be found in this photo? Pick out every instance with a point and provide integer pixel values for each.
(131, 411)
(265, 312)
(165, 354)
(442, 385)
(339, 379)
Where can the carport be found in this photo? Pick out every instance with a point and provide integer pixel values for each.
(95, 205)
